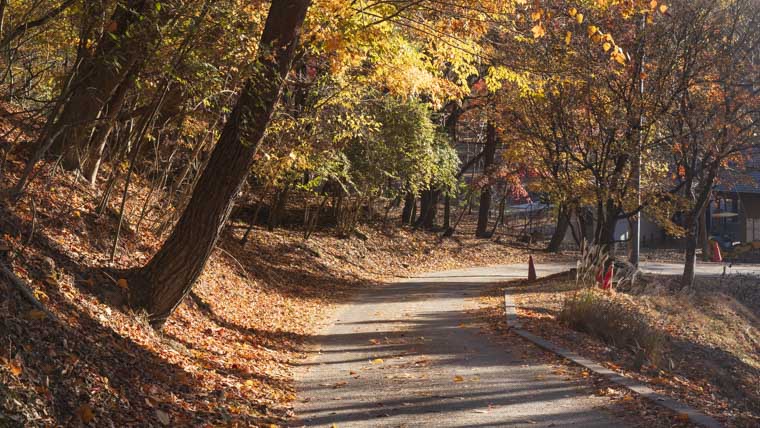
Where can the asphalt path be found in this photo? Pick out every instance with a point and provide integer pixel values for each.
(411, 354)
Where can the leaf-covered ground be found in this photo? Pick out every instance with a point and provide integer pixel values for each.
(711, 354)
(224, 357)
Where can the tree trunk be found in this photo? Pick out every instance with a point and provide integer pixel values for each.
(162, 284)
(489, 152)
(97, 78)
(277, 208)
(447, 212)
(563, 222)
(406, 212)
(691, 259)
(428, 209)
(102, 131)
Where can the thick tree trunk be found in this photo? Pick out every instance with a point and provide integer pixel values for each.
(489, 153)
(407, 211)
(162, 284)
(563, 222)
(97, 78)
(428, 209)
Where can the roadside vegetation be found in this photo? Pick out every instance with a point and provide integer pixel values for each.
(701, 347)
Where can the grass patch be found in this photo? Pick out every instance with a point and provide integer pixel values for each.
(597, 314)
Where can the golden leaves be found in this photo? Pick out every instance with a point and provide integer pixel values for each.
(568, 38)
(538, 31)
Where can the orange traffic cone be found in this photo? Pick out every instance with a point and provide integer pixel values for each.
(716, 256)
(607, 284)
(531, 269)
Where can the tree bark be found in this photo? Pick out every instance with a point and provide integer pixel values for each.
(563, 222)
(406, 212)
(690, 261)
(428, 209)
(489, 153)
(447, 212)
(700, 201)
(159, 287)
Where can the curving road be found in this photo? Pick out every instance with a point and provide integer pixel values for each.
(410, 354)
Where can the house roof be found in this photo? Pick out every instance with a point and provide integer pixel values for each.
(740, 182)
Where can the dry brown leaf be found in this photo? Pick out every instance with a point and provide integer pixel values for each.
(85, 413)
(163, 417)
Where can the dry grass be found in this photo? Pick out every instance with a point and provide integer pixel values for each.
(608, 319)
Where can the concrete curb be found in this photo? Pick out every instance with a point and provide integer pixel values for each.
(695, 416)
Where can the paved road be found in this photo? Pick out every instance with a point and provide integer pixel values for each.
(408, 354)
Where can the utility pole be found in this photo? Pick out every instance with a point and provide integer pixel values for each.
(636, 229)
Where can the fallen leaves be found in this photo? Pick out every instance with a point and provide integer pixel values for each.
(36, 314)
(226, 353)
(85, 413)
(15, 367)
(163, 417)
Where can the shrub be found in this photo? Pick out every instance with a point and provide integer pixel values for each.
(601, 316)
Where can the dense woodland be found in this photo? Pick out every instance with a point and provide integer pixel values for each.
(352, 111)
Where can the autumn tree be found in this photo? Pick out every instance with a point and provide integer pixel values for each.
(161, 285)
(100, 79)
(715, 122)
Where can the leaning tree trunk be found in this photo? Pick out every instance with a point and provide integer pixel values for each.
(489, 153)
(97, 78)
(563, 222)
(162, 284)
